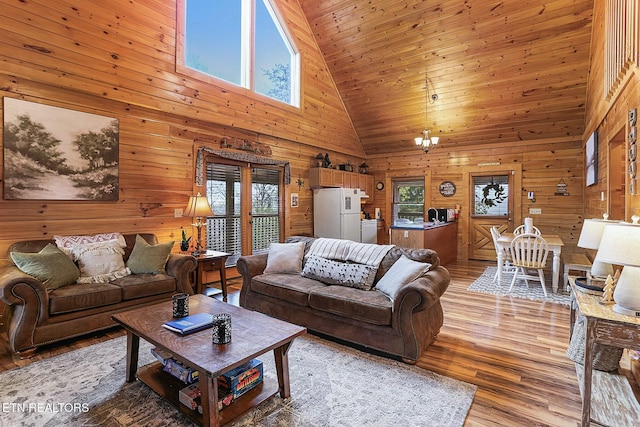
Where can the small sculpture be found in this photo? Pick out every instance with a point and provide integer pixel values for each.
(327, 162)
(607, 293)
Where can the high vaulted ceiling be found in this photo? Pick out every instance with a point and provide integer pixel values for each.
(504, 71)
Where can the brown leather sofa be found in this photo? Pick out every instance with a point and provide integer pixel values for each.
(36, 317)
(403, 327)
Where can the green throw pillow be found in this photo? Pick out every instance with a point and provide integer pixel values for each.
(146, 258)
(51, 266)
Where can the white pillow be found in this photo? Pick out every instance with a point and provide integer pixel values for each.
(100, 262)
(403, 271)
(285, 258)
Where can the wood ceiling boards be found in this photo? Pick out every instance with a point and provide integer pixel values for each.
(504, 71)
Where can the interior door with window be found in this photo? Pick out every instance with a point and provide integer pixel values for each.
(491, 204)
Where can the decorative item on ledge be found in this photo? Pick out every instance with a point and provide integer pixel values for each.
(348, 167)
(363, 168)
(199, 208)
(245, 145)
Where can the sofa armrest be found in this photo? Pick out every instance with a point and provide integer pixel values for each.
(18, 288)
(250, 266)
(28, 301)
(421, 293)
(180, 266)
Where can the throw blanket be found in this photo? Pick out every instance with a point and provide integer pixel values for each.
(367, 253)
(330, 248)
(346, 250)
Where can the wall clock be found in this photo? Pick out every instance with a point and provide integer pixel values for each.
(380, 185)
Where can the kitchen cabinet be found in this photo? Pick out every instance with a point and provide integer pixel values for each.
(442, 238)
(365, 183)
(350, 180)
(324, 177)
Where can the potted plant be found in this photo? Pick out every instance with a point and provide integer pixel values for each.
(184, 243)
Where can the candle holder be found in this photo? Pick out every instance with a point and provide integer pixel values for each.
(221, 332)
(180, 305)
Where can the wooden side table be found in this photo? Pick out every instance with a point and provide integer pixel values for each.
(604, 326)
(212, 261)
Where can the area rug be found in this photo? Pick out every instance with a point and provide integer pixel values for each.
(533, 291)
(331, 385)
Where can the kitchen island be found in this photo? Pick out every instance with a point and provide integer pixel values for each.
(442, 237)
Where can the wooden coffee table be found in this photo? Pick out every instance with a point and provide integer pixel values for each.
(253, 334)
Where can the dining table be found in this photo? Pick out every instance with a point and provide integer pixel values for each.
(555, 244)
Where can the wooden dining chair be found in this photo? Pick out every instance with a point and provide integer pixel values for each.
(529, 252)
(520, 230)
(507, 267)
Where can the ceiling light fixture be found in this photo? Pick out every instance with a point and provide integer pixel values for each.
(424, 142)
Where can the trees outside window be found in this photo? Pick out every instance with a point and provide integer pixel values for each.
(408, 200)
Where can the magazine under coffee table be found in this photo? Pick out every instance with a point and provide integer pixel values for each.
(253, 334)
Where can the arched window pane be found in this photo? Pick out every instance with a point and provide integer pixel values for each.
(272, 57)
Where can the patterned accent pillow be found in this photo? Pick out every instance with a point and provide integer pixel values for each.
(67, 243)
(359, 276)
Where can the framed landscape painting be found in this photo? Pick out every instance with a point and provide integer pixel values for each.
(591, 160)
(53, 153)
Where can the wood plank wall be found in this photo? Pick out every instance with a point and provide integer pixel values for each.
(118, 59)
(609, 116)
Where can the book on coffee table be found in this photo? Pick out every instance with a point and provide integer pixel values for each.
(189, 324)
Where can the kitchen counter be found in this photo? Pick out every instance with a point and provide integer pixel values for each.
(442, 237)
(421, 226)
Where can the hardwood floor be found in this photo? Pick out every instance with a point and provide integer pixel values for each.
(512, 349)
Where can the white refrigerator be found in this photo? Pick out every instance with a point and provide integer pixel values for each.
(336, 213)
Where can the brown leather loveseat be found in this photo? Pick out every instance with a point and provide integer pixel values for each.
(403, 326)
(37, 316)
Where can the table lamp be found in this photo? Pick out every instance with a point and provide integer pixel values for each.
(199, 208)
(620, 245)
(590, 237)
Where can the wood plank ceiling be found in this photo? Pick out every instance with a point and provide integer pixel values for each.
(510, 70)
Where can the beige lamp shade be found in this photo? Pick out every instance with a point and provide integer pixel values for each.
(591, 232)
(620, 245)
(590, 237)
(198, 206)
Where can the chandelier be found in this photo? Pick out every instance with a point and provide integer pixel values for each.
(424, 142)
